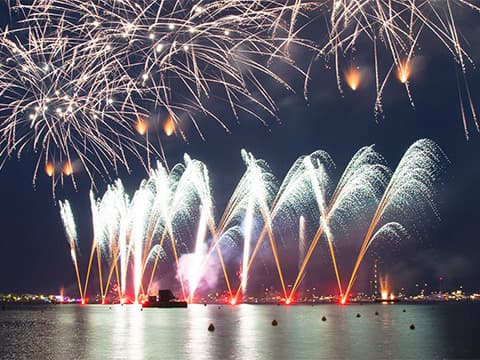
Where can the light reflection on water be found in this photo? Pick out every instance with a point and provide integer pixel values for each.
(241, 332)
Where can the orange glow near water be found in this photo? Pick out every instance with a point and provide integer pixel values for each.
(384, 287)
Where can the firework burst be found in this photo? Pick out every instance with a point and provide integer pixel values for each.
(396, 30)
(92, 85)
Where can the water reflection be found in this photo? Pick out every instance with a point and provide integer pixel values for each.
(247, 346)
(127, 333)
(241, 332)
(199, 340)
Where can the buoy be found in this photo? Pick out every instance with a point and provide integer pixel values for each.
(211, 327)
(412, 326)
(358, 315)
(376, 312)
(324, 318)
(274, 322)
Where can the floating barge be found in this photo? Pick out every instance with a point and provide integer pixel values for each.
(165, 299)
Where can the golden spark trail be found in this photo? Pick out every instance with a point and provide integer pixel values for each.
(79, 283)
(99, 262)
(113, 266)
(214, 245)
(376, 217)
(174, 247)
(157, 257)
(413, 177)
(88, 269)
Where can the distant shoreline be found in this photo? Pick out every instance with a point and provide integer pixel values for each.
(7, 304)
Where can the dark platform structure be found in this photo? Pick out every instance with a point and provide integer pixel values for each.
(165, 299)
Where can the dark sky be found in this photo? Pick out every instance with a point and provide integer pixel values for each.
(34, 254)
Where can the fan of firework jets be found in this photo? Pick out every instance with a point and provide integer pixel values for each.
(90, 85)
(173, 212)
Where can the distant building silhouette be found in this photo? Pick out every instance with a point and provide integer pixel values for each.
(375, 279)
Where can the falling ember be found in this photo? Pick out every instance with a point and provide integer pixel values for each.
(141, 126)
(50, 169)
(169, 126)
(68, 168)
(403, 72)
(353, 77)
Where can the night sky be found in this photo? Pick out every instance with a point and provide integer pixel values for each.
(34, 255)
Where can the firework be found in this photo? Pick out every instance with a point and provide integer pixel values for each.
(94, 85)
(172, 212)
(71, 233)
(409, 189)
(91, 88)
(396, 29)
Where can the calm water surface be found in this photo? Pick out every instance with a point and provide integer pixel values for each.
(444, 331)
